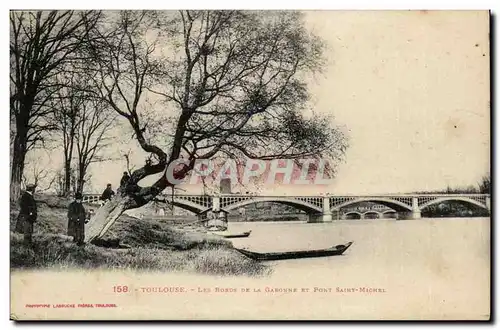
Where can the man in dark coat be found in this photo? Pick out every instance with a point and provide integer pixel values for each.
(27, 214)
(77, 220)
(124, 180)
(123, 183)
(107, 194)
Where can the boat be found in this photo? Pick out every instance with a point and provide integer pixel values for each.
(332, 251)
(233, 235)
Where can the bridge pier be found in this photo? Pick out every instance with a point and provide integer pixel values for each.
(327, 212)
(416, 215)
(415, 212)
(319, 217)
(408, 215)
(487, 201)
(326, 216)
(216, 203)
(215, 217)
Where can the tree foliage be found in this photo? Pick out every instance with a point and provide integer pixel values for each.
(231, 83)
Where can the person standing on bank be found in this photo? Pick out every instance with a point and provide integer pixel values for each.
(77, 220)
(107, 194)
(27, 214)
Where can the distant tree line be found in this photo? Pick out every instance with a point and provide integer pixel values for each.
(457, 208)
(482, 187)
(452, 209)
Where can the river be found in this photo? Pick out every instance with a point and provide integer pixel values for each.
(438, 267)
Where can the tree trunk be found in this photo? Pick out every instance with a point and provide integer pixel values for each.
(106, 216)
(80, 183)
(15, 184)
(67, 177)
(18, 158)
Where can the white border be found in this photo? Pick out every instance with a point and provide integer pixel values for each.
(259, 4)
(493, 5)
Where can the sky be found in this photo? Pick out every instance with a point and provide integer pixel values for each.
(410, 89)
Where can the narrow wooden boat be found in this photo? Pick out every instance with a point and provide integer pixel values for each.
(333, 251)
(233, 235)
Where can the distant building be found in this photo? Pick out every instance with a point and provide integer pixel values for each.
(265, 208)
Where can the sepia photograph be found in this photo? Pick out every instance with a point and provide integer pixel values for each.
(250, 165)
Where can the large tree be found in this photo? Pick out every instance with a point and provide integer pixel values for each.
(84, 123)
(95, 121)
(41, 42)
(67, 105)
(232, 83)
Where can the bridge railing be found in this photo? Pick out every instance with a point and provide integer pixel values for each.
(91, 198)
(94, 198)
(322, 195)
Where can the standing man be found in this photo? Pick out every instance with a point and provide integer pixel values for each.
(77, 220)
(107, 194)
(27, 214)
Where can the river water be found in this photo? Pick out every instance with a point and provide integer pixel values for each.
(438, 267)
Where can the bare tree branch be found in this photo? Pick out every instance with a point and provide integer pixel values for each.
(42, 42)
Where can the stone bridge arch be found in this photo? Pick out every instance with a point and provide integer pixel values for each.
(464, 199)
(350, 213)
(301, 204)
(398, 204)
(378, 214)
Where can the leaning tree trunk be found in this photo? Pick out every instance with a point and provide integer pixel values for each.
(106, 216)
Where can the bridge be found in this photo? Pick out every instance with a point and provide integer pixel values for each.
(319, 208)
(373, 211)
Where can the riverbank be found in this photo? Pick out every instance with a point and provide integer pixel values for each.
(151, 245)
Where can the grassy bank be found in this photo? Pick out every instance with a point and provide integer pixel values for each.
(153, 245)
(57, 251)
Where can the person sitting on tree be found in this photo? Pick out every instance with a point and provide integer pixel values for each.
(124, 180)
(107, 194)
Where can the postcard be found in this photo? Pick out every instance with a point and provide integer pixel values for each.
(250, 165)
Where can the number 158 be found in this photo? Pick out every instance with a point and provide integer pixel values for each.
(120, 288)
